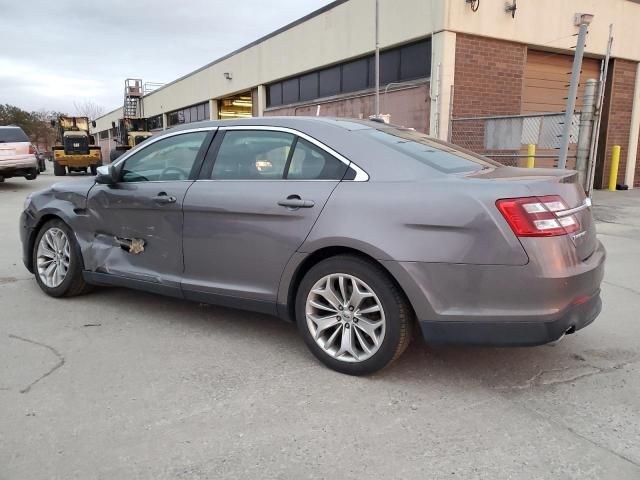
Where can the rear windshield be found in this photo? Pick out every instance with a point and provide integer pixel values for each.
(12, 134)
(442, 156)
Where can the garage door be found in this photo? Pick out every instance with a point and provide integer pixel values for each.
(546, 80)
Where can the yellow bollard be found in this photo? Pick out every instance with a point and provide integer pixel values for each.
(531, 151)
(613, 174)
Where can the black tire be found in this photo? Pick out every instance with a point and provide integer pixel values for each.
(59, 170)
(73, 284)
(94, 170)
(398, 312)
(32, 175)
(114, 154)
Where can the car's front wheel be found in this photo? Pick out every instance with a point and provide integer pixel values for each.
(56, 261)
(352, 316)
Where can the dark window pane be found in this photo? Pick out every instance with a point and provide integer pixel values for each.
(12, 134)
(186, 116)
(194, 114)
(173, 119)
(275, 94)
(309, 86)
(201, 112)
(252, 155)
(354, 75)
(389, 66)
(372, 70)
(415, 60)
(330, 81)
(312, 163)
(207, 112)
(169, 159)
(290, 91)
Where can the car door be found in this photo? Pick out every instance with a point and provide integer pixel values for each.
(138, 220)
(257, 199)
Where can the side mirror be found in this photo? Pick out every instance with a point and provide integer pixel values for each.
(107, 175)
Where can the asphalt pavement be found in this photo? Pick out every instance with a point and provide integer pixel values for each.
(120, 384)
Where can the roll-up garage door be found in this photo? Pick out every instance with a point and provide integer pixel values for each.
(546, 80)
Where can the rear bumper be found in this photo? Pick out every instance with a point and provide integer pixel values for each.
(17, 166)
(512, 333)
(503, 305)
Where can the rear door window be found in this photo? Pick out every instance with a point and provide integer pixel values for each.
(310, 162)
(11, 134)
(442, 156)
(252, 155)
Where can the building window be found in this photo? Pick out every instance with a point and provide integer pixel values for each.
(103, 135)
(195, 113)
(400, 64)
(155, 123)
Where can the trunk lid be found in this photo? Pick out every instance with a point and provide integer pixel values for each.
(544, 182)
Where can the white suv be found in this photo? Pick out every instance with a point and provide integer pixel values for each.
(17, 155)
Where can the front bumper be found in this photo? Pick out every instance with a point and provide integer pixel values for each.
(531, 304)
(27, 236)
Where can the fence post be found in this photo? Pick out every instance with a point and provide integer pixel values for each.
(531, 159)
(615, 161)
(585, 131)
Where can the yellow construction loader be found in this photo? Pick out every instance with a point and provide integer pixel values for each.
(74, 150)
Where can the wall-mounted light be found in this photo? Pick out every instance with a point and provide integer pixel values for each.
(228, 75)
(511, 8)
(583, 19)
(475, 4)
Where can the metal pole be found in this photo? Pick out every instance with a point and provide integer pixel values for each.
(573, 92)
(593, 154)
(584, 135)
(377, 58)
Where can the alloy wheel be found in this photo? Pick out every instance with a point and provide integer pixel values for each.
(345, 317)
(53, 257)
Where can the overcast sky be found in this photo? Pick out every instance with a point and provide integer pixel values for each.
(53, 53)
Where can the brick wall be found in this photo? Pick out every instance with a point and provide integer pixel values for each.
(409, 107)
(618, 119)
(488, 76)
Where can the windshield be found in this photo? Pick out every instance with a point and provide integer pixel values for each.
(12, 134)
(442, 156)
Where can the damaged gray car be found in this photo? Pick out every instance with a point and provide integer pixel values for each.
(361, 232)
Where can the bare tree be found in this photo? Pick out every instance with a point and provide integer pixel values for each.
(87, 108)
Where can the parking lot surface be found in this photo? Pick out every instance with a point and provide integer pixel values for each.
(122, 384)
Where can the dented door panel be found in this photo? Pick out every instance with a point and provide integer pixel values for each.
(137, 232)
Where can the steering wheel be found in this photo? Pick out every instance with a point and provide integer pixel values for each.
(184, 174)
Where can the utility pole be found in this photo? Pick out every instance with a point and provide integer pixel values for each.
(377, 58)
(582, 20)
(585, 132)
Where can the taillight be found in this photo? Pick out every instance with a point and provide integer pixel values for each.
(537, 216)
(32, 150)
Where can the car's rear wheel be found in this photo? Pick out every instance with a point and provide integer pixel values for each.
(57, 262)
(352, 316)
(59, 170)
(32, 174)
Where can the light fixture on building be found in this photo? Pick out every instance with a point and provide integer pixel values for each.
(228, 75)
(475, 4)
(583, 19)
(511, 8)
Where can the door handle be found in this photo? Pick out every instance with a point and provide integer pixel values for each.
(163, 198)
(294, 202)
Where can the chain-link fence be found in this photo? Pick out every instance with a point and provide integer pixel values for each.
(507, 138)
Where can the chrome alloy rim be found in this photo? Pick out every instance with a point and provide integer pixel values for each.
(53, 257)
(345, 317)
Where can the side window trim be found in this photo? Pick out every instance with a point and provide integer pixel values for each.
(205, 173)
(292, 150)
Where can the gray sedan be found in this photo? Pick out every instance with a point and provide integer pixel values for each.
(361, 232)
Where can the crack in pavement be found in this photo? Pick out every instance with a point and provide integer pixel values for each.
(629, 289)
(60, 363)
(9, 280)
(534, 381)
